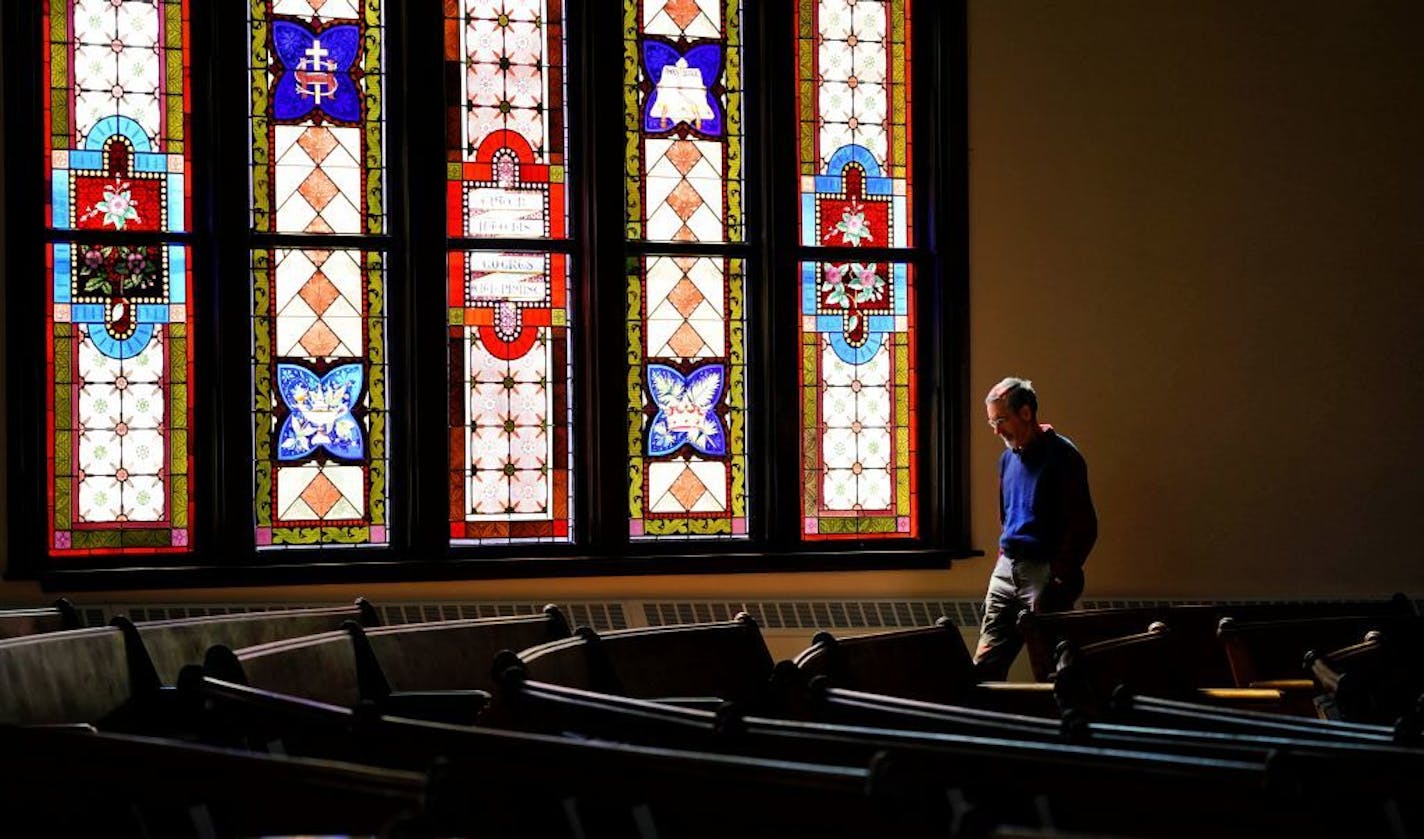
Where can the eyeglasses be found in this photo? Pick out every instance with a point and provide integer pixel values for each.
(997, 421)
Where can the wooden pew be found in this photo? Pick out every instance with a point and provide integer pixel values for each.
(1275, 650)
(174, 644)
(497, 783)
(726, 660)
(99, 675)
(930, 663)
(76, 782)
(1003, 780)
(1134, 709)
(454, 655)
(339, 668)
(16, 623)
(1195, 624)
(1378, 680)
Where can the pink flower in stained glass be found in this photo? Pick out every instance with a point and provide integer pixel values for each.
(118, 206)
(852, 226)
(835, 287)
(866, 283)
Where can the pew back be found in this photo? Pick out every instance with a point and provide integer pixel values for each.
(458, 654)
(320, 667)
(73, 676)
(173, 644)
(727, 659)
(930, 663)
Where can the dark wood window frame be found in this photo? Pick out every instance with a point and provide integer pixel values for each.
(225, 553)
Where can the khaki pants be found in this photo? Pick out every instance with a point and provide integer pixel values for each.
(1016, 586)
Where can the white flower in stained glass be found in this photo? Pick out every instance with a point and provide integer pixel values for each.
(117, 206)
(838, 489)
(143, 405)
(852, 225)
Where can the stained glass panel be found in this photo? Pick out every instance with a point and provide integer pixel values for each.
(319, 379)
(119, 336)
(687, 397)
(853, 95)
(506, 127)
(683, 112)
(509, 397)
(858, 400)
(317, 116)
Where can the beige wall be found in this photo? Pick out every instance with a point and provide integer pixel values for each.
(1200, 227)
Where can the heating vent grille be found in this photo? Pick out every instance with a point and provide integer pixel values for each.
(819, 614)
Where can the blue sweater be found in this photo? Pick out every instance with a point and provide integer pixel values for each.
(1044, 504)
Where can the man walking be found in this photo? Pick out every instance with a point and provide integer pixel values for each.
(1049, 524)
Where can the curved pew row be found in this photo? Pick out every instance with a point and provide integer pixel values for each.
(507, 783)
(437, 671)
(116, 676)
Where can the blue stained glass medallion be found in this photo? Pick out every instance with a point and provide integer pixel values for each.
(687, 410)
(318, 71)
(320, 412)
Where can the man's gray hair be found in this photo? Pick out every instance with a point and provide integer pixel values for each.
(1016, 393)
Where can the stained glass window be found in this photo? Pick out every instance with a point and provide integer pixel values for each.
(857, 315)
(509, 397)
(683, 104)
(506, 168)
(317, 116)
(320, 384)
(119, 327)
(510, 368)
(686, 327)
(687, 397)
(318, 313)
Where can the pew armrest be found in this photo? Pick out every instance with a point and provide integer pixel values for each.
(456, 707)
